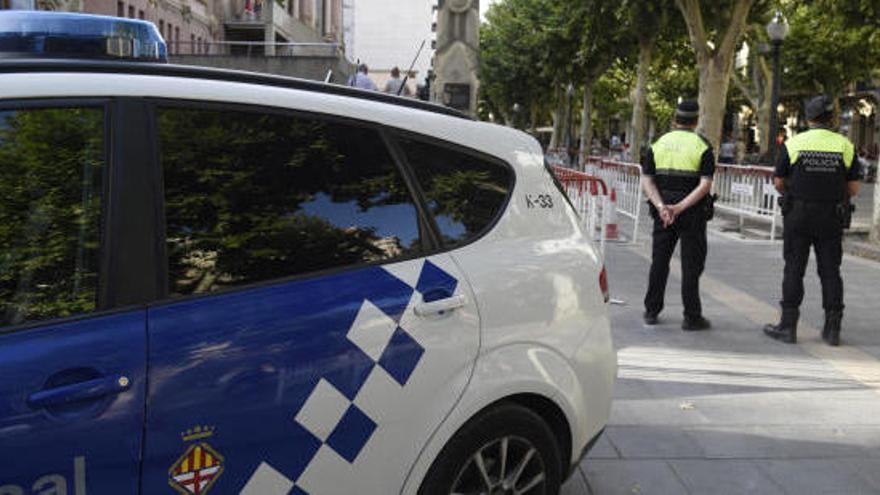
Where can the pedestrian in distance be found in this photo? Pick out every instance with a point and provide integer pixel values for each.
(677, 173)
(817, 175)
(393, 86)
(362, 80)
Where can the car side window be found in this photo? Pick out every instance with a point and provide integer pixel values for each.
(464, 193)
(51, 179)
(253, 196)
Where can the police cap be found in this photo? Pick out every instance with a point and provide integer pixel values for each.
(819, 108)
(687, 112)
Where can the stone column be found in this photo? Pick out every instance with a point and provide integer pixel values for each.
(457, 56)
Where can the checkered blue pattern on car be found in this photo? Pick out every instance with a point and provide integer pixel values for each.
(352, 428)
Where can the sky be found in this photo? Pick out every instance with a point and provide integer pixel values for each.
(484, 6)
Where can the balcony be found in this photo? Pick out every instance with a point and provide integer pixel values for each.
(256, 49)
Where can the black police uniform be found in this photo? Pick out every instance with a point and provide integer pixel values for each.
(816, 166)
(677, 162)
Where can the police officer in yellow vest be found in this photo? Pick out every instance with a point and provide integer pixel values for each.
(677, 175)
(817, 175)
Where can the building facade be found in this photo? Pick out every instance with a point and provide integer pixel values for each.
(209, 26)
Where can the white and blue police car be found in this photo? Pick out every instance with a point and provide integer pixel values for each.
(224, 282)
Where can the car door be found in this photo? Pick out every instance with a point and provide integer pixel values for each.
(319, 338)
(71, 406)
(72, 387)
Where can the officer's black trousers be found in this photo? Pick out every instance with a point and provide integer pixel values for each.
(813, 225)
(690, 227)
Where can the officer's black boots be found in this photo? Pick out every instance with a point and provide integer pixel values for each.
(831, 330)
(651, 318)
(786, 330)
(695, 324)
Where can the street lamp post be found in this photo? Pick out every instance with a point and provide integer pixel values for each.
(777, 30)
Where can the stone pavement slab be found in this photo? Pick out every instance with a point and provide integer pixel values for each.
(653, 442)
(714, 477)
(868, 470)
(628, 477)
(819, 476)
(728, 410)
(785, 442)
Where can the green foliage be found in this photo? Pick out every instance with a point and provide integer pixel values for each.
(852, 12)
(673, 76)
(51, 165)
(649, 18)
(530, 46)
(828, 49)
(611, 93)
(600, 30)
(513, 57)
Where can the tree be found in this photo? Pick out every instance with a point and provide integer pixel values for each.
(512, 46)
(602, 25)
(827, 50)
(673, 75)
(755, 81)
(611, 94)
(726, 20)
(532, 50)
(648, 18)
(830, 47)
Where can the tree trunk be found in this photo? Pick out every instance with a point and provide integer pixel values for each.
(559, 115)
(714, 83)
(875, 224)
(715, 62)
(637, 135)
(586, 134)
(533, 118)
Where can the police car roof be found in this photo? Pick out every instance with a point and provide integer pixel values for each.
(21, 65)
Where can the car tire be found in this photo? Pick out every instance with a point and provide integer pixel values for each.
(505, 449)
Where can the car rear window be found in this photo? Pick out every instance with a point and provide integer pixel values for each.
(464, 193)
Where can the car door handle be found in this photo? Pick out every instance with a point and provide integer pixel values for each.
(440, 306)
(75, 392)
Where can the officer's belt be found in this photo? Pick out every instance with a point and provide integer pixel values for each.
(677, 173)
(827, 202)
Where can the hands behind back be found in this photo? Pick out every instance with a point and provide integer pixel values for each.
(669, 213)
(667, 216)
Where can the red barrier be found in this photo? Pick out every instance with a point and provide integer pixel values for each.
(589, 195)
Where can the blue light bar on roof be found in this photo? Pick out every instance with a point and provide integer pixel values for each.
(41, 34)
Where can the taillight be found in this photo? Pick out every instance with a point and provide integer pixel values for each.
(603, 284)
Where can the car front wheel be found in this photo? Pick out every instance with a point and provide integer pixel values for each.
(506, 450)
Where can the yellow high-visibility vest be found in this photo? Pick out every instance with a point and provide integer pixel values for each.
(679, 152)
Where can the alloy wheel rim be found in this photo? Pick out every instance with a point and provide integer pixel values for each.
(509, 465)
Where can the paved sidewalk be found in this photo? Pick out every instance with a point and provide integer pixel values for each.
(729, 411)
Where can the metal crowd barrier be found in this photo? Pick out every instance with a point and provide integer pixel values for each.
(589, 196)
(557, 157)
(625, 180)
(743, 190)
(747, 191)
